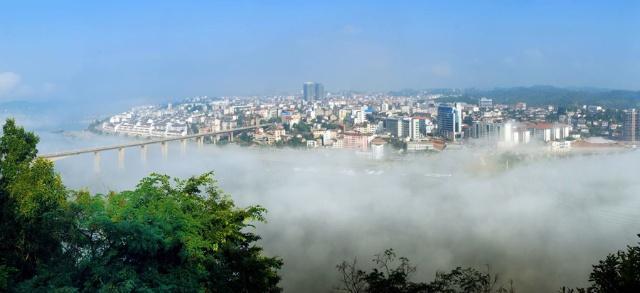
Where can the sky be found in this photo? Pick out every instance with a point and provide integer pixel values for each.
(127, 52)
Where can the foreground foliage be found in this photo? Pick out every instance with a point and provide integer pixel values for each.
(619, 272)
(392, 274)
(165, 235)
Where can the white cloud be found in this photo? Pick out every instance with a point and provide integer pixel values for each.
(8, 82)
(14, 87)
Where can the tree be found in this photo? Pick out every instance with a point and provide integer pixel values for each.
(618, 272)
(330, 125)
(385, 278)
(193, 128)
(297, 142)
(165, 235)
(275, 120)
(245, 139)
(17, 148)
(398, 144)
(352, 278)
(468, 280)
(32, 207)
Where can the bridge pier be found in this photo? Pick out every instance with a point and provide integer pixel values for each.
(165, 150)
(143, 153)
(96, 162)
(183, 146)
(200, 141)
(231, 136)
(121, 158)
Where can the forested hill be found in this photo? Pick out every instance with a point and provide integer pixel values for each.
(549, 95)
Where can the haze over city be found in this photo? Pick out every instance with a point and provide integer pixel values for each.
(328, 146)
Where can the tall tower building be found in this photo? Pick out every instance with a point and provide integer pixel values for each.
(631, 132)
(308, 91)
(449, 120)
(414, 128)
(406, 127)
(319, 91)
(446, 121)
(458, 121)
(312, 91)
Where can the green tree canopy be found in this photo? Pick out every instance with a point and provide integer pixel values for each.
(32, 207)
(165, 235)
(618, 272)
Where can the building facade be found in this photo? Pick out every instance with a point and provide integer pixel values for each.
(312, 91)
(449, 121)
(394, 126)
(485, 103)
(485, 129)
(630, 126)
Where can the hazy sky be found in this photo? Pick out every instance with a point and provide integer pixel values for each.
(126, 51)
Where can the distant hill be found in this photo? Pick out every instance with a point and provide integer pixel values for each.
(549, 95)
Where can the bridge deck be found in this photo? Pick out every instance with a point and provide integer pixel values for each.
(142, 143)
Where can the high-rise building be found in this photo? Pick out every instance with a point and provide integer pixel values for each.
(394, 126)
(414, 129)
(631, 132)
(485, 129)
(450, 120)
(513, 133)
(358, 116)
(320, 91)
(446, 121)
(312, 91)
(406, 127)
(308, 91)
(549, 132)
(458, 126)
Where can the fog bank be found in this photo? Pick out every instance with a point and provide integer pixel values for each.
(542, 224)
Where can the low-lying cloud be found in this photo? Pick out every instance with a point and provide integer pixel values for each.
(542, 224)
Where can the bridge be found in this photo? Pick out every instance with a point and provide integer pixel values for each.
(164, 143)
